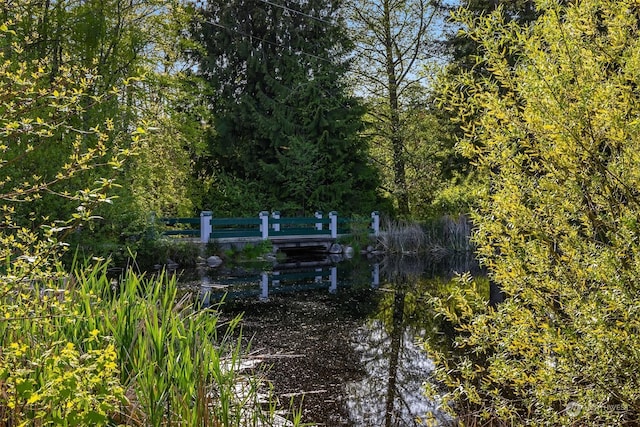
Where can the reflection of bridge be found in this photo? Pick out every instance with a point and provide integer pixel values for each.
(287, 279)
(283, 232)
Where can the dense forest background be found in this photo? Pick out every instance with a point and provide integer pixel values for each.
(243, 106)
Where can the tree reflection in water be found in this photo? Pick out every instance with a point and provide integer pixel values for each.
(390, 394)
(348, 347)
(391, 352)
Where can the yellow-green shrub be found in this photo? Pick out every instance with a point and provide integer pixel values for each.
(49, 372)
(74, 348)
(58, 383)
(555, 129)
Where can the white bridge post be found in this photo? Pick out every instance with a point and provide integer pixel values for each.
(205, 226)
(375, 276)
(318, 215)
(333, 216)
(276, 215)
(375, 223)
(264, 225)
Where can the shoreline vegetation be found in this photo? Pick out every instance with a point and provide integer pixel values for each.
(88, 351)
(85, 348)
(437, 238)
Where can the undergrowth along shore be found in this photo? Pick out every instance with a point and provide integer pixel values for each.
(86, 352)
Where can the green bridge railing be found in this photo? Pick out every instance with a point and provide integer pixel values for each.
(265, 226)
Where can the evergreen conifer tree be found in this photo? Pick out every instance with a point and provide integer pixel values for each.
(285, 123)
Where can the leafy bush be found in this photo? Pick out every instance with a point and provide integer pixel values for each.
(54, 381)
(554, 129)
(77, 349)
(87, 353)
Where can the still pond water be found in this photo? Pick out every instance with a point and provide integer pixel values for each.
(340, 337)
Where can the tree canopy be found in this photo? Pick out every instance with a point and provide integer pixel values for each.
(118, 52)
(283, 119)
(394, 43)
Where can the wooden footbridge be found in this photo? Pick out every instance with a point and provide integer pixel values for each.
(283, 232)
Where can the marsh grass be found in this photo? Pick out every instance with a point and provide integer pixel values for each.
(85, 352)
(453, 233)
(403, 237)
(439, 238)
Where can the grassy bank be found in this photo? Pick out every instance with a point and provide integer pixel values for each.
(88, 351)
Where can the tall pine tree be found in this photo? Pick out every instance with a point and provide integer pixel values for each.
(285, 124)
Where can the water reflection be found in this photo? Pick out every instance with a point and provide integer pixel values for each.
(391, 392)
(345, 335)
(285, 277)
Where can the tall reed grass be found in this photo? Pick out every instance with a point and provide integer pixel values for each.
(86, 352)
(453, 233)
(438, 238)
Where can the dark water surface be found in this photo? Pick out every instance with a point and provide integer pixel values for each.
(340, 338)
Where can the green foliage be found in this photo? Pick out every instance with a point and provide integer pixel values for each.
(254, 251)
(49, 372)
(434, 184)
(125, 54)
(79, 349)
(465, 49)
(234, 197)
(173, 103)
(456, 196)
(79, 97)
(358, 233)
(83, 352)
(178, 370)
(393, 49)
(457, 190)
(153, 250)
(285, 126)
(55, 381)
(556, 135)
(86, 80)
(429, 150)
(40, 117)
(251, 256)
